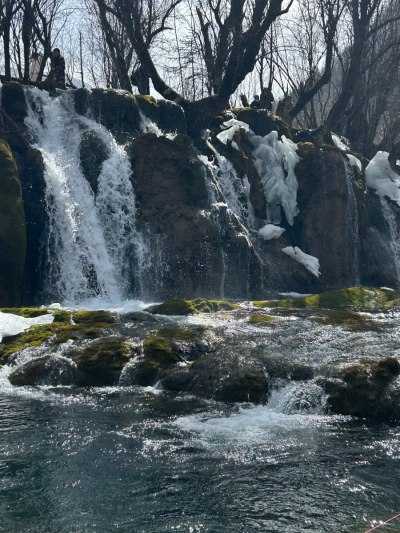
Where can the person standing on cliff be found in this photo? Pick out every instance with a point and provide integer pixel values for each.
(58, 68)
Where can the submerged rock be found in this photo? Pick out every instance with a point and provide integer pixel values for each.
(46, 370)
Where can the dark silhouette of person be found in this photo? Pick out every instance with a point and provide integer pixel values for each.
(255, 104)
(266, 99)
(58, 68)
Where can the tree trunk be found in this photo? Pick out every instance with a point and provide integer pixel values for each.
(7, 55)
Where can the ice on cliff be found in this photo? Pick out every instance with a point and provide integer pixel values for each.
(311, 263)
(380, 176)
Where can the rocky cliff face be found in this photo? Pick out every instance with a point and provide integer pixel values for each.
(200, 203)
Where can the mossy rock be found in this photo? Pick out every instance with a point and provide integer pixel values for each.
(62, 339)
(262, 122)
(92, 317)
(346, 319)
(12, 230)
(249, 388)
(26, 312)
(172, 117)
(148, 105)
(35, 336)
(157, 355)
(181, 307)
(116, 110)
(357, 391)
(82, 97)
(356, 297)
(13, 100)
(180, 333)
(102, 362)
(261, 319)
(92, 154)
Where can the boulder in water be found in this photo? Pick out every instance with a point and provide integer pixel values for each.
(46, 370)
(102, 362)
(92, 154)
(356, 390)
(157, 355)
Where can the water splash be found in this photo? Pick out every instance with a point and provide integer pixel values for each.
(352, 230)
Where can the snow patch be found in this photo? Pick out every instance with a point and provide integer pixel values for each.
(380, 176)
(275, 163)
(270, 231)
(13, 324)
(387, 289)
(354, 162)
(311, 263)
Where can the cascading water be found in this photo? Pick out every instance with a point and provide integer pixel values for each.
(91, 239)
(394, 236)
(353, 236)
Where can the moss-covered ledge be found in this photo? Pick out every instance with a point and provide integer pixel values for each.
(182, 307)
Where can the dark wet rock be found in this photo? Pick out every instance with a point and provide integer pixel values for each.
(118, 110)
(46, 370)
(356, 390)
(280, 366)
(172, 117)
(388, 404)
(262, 121)
(12, 230)
(13, 100)
(302, 373)
(102, 362)
(31, 176)
(228, 376)
(175, 379)
(137, 316)
(92, 154)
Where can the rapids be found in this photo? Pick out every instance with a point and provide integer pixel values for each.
(136, 459)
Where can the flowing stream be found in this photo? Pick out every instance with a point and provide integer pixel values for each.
(135, 459)
(394, 237)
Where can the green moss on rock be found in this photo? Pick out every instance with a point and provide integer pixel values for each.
(148, 105)
(180, 333)
(103, 361)
(346, 319)
(182, 307)
(92, 317)
(35, 336)
(12, 230)
(13, 100)
(157, 355)
(261, 319)
(356, 297)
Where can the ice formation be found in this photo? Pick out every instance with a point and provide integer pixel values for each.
(13, 324)
(354, 162)
(269, 231)
(275, 162)
(380, 176)
(229, 129)
(341, 142)
(311, 263)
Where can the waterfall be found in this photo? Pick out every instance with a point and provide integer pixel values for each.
(92, 240)
(394, 236)
(353, 236)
